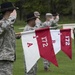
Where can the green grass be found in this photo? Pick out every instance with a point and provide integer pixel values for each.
(66, 66)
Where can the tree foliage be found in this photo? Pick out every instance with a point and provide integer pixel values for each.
(63, 7)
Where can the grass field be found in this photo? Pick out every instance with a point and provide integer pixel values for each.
(66, 66)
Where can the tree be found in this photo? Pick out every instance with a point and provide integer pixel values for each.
(20, 4)
(63, 7)
(9, 0)
(73, 8)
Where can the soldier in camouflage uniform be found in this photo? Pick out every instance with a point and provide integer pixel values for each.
(31, 25)
(7, 39)
(38, 21)
(51, 21)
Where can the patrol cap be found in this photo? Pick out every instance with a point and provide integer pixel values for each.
(30, 16)
(36, 13)
(48, 14)
(7, 6)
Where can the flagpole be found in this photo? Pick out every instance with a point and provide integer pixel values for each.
(31, 31)
(50, 27)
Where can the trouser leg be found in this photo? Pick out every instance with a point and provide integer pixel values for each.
(33, 71)
(46, 63)
(6, 68)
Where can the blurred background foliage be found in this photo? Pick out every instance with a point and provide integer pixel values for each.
(63, 7)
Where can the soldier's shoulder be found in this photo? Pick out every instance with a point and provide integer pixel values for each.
(26, 28)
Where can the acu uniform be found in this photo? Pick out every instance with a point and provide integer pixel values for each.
(38, 21)
(33, 71)
(7, 46)
(7, 40)
(51, 23)
(31, 17)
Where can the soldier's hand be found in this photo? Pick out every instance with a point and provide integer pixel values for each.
(14, 13)
(18, 35)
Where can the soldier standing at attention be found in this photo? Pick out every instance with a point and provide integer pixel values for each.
(49, 17)
(38, 21)
(51, 21)
(7, 39)
(31, 25)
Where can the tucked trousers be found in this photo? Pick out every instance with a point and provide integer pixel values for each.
(46, 63)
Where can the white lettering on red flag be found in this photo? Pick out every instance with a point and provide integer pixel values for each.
(45, 45)
(66, 45)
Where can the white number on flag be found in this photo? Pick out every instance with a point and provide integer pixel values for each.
(44, 41)
(67, 40)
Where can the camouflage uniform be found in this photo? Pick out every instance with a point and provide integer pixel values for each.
(7, 46)
(33, 71)
(46, 23)
(38, 22)
(6, 67)
(46, 62)
(51, 23)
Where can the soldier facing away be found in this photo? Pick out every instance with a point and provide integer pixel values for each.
(7, 39)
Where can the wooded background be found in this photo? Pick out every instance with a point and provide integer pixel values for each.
(63, 7)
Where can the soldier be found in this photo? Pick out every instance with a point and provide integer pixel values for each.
(7, 39)
(31, 25)
(51, 21)
(38, 21)
(55, 18)
(49, 17)
(45, 24)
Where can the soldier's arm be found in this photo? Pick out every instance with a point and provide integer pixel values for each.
(56, 19)
(5, 23)
(44, 25)
(18, 35)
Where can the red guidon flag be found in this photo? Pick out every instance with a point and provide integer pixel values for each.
(45, 43)
(66, 42)
(62, 41)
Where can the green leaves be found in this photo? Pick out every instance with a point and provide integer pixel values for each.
(63, 7)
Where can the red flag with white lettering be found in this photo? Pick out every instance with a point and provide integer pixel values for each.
(62, 41)
(66, 42)
(45, 45)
